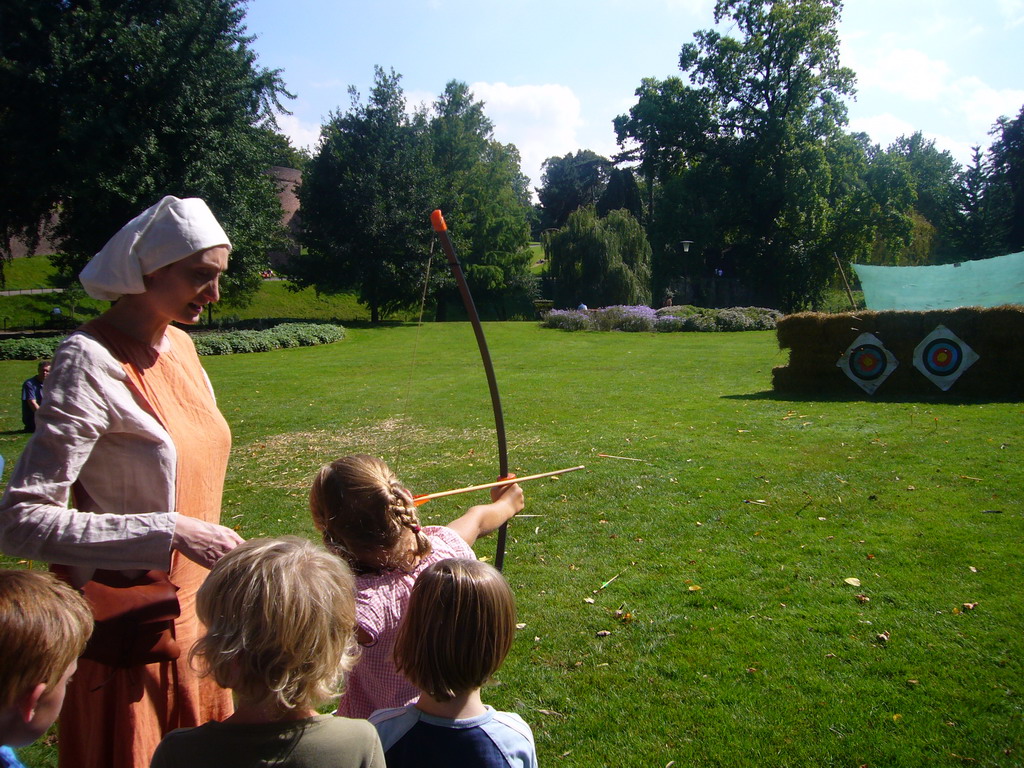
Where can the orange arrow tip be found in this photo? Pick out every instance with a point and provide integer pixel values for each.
(437, 221)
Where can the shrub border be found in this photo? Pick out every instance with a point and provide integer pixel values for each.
(231, 342)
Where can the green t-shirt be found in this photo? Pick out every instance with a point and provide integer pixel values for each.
(323, 741)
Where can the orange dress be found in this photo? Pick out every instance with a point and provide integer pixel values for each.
(114, 718)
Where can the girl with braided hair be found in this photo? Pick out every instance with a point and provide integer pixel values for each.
(369, 519)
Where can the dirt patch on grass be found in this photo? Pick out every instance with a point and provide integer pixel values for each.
(290, 460)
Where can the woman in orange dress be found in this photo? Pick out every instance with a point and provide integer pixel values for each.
(131, 428)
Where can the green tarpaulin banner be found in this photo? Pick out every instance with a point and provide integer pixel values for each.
(985, 283)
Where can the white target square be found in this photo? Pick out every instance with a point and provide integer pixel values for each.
(867, 362)
(942, 357)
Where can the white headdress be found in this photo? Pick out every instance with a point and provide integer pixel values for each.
(162, 234)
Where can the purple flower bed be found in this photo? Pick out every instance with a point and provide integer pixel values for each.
(640, 318)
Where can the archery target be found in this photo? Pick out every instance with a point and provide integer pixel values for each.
(867, 362)
(943, 357)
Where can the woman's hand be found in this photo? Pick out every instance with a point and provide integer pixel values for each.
(202, 542)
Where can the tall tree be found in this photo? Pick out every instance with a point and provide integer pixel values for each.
(571, 182)
(111, 104)
(366, 199)
(979, 234)
(669, 123)
(755, 124)
(602, 262)
(1007, 181)
(484, 196)
(936, 177)
(622, 192)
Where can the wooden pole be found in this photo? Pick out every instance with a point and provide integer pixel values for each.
(849, 293)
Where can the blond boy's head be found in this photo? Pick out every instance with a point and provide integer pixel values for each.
(44, 626)
(280, 622)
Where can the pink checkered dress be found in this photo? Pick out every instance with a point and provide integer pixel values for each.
(380, 603)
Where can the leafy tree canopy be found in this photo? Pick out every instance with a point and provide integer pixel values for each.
(366, 200)
(485, 199)
(1008, 179)
(112, 104)
(741, 155)
(601, 262)
(571, 182)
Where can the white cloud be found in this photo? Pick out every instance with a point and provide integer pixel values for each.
(1012, 11)
(978, 105)
(541, 120)
(702, 8)
(883, 129)
(416, 99)
(905, 72)
(302, 135)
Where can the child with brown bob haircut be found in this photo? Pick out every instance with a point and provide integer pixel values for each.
(280, 631)
(458, 628)
(44, 626)
(368, 518)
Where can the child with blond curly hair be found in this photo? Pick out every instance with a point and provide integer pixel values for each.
(280, 632)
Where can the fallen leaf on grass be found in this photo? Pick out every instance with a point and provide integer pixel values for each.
(973, 569)
(863, 598)
(852, 582)
(588, 600)
(970, 606)
(551, 712)
(694, 588)
(521, 626)
(883, 638)
(603, 633)
(897, 718)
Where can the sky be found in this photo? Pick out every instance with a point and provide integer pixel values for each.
(553, 74)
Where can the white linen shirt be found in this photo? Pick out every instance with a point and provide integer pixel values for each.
(91, 429)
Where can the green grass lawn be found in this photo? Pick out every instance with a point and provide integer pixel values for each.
(28, 273)
(686, 602)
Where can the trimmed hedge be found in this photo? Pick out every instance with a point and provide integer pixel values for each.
(664, 320)
(207, 342)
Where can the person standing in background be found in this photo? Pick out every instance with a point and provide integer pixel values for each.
(32, 395)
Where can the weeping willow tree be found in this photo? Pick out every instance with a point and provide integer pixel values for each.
(600, 261)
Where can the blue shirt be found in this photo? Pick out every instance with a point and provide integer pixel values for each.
(412, 738)
(8, 759)
(32, 389)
